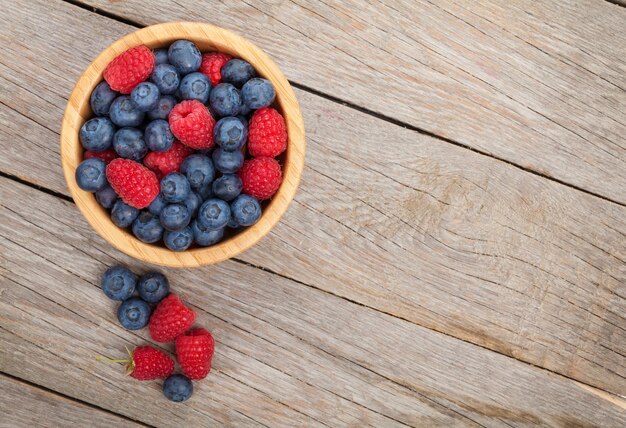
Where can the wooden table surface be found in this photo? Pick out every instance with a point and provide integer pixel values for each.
(455, 256)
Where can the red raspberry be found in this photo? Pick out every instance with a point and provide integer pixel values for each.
(267, 134)
(191, 122)
(162, 163)
(261, 177)
(136, 184)
(170, 319)
(194, 351)
(212, 64)
(107, 155)
(146, 363)
(129, 69)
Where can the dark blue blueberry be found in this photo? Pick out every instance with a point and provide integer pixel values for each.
(147, 228)
(185, 56)
(193, 202)
(225, 100)
(158, 136)
(123, 214)
(230, 134)
(179, 240)
(157, 205)
(175, 187)
(237, 72)
(145, 96)
(160, 56)
(245, 210)
(195, 86)
(199, 170)
(101, 99)
(124, 112)
(133, 313)
(205, 237)
(214, 214)
(205, 192)
(128, 143)
(153, 287)
(166, 78)
(164, 107)
(118, 283)
(242, 117)
(106, 197)
(232, 223)
(97, 134)
(175, 217)
(91, 175)
(258, 93)
(227, 162)
(177, 388)
(227, 187)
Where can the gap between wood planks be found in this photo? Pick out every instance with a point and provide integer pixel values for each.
(380, 116)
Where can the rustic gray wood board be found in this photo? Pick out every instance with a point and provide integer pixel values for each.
(451, 240)
(24, 405)
(540, 84)
(285, 355)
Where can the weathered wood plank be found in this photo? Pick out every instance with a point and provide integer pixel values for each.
(428, 232)
(23, 405)
(286, 354)
(540, 84)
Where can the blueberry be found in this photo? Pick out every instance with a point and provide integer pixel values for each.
(237, 72)
(195, 86)
(145, 96)
(133, 313)
(257, 93)
(242, 116)
(179, 240)
(227, 162)
(185, 56)
(166, 78)
(147, 228)
(160, 56)
(199, 170)
(91, 175)
(175, 217)
(246, 210)
(129, 144)
(225, 100)
(230, 134)
(164, 107)
(204, 236)
(232, 223)
(193, 202)
(214, 214)
(124, 112)
(177, 388)
(97, 134)
(106, 197)
(153, 287)
(158, 136)
(175, 187)
(101, 99)
(206, 191)
(227, 187)
(123, 214)
(157, 205)
(118, 283)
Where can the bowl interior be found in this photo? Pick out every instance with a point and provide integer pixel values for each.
(207, 38)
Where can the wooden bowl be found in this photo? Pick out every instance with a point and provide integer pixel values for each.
(207, 38)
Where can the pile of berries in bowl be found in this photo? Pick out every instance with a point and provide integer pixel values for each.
(182, 148)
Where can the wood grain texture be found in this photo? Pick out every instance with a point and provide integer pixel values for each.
(540, 84)
(286, 355)
(430, 233)
(25, 406)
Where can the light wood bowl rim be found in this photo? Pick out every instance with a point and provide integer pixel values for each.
(206, 36)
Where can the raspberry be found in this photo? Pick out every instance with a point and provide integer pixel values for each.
(133, 182)
(191, 122)
(267, 135)
(170, 319)
(107, 155)
(212, 63)
(149, 363)
(261, 177)
(162, 163)
(129, 69)
(194, 351)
